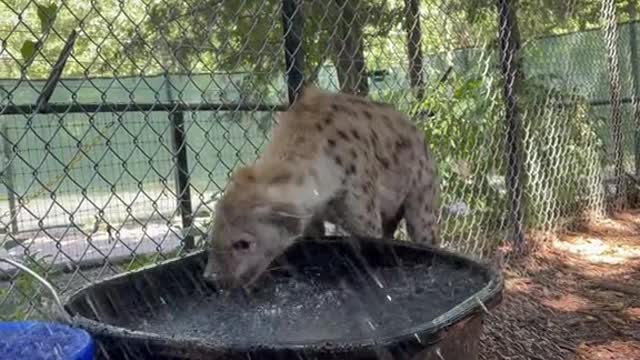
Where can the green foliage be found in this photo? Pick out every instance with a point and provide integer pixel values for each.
(126, 38)
(559, 16)
(25, 294)
(140, 261)
(28, 50)
(466, 134)
(47, 15)
(561, 146)
(562, 149)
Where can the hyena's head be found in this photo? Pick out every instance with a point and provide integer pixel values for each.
(249, 230)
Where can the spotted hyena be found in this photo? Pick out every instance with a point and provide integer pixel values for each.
(334, 157)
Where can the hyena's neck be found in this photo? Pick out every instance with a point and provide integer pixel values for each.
(311, 185)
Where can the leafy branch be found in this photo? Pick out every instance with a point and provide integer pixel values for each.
(47, 15)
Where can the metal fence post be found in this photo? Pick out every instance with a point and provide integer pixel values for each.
(7, 177)
(509, 37)
(611, 40)
(183, 186)
(635, 74)
(293, 27)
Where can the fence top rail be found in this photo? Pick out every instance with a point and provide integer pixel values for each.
(31, 109)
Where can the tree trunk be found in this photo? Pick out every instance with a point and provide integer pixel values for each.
(414, 47)
(349, 49)
(511, 66)
(611, 36)
(635, 76)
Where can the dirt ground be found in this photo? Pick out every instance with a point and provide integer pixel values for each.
(577, 296)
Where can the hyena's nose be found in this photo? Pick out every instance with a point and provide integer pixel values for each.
(218, 281)
(210, 277)
(210, 273)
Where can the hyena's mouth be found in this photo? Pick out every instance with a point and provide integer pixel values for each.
(249, 277)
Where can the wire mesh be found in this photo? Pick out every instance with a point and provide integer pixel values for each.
(161, 100)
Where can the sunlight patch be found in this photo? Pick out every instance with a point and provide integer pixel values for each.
(597, 251)
(568, 302)
(611, 350)
(633, 313)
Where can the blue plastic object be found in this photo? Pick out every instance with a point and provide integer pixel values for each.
(35, 340)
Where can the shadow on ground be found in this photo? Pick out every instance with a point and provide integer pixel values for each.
(576, 297)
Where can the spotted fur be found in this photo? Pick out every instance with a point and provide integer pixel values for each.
(334, 157)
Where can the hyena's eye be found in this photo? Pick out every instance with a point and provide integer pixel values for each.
(241, 245)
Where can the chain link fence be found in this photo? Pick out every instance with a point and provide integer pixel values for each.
(530, 109)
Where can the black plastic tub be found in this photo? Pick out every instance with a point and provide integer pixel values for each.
(323, 300)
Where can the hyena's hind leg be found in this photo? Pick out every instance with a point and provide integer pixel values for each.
(421, 210)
